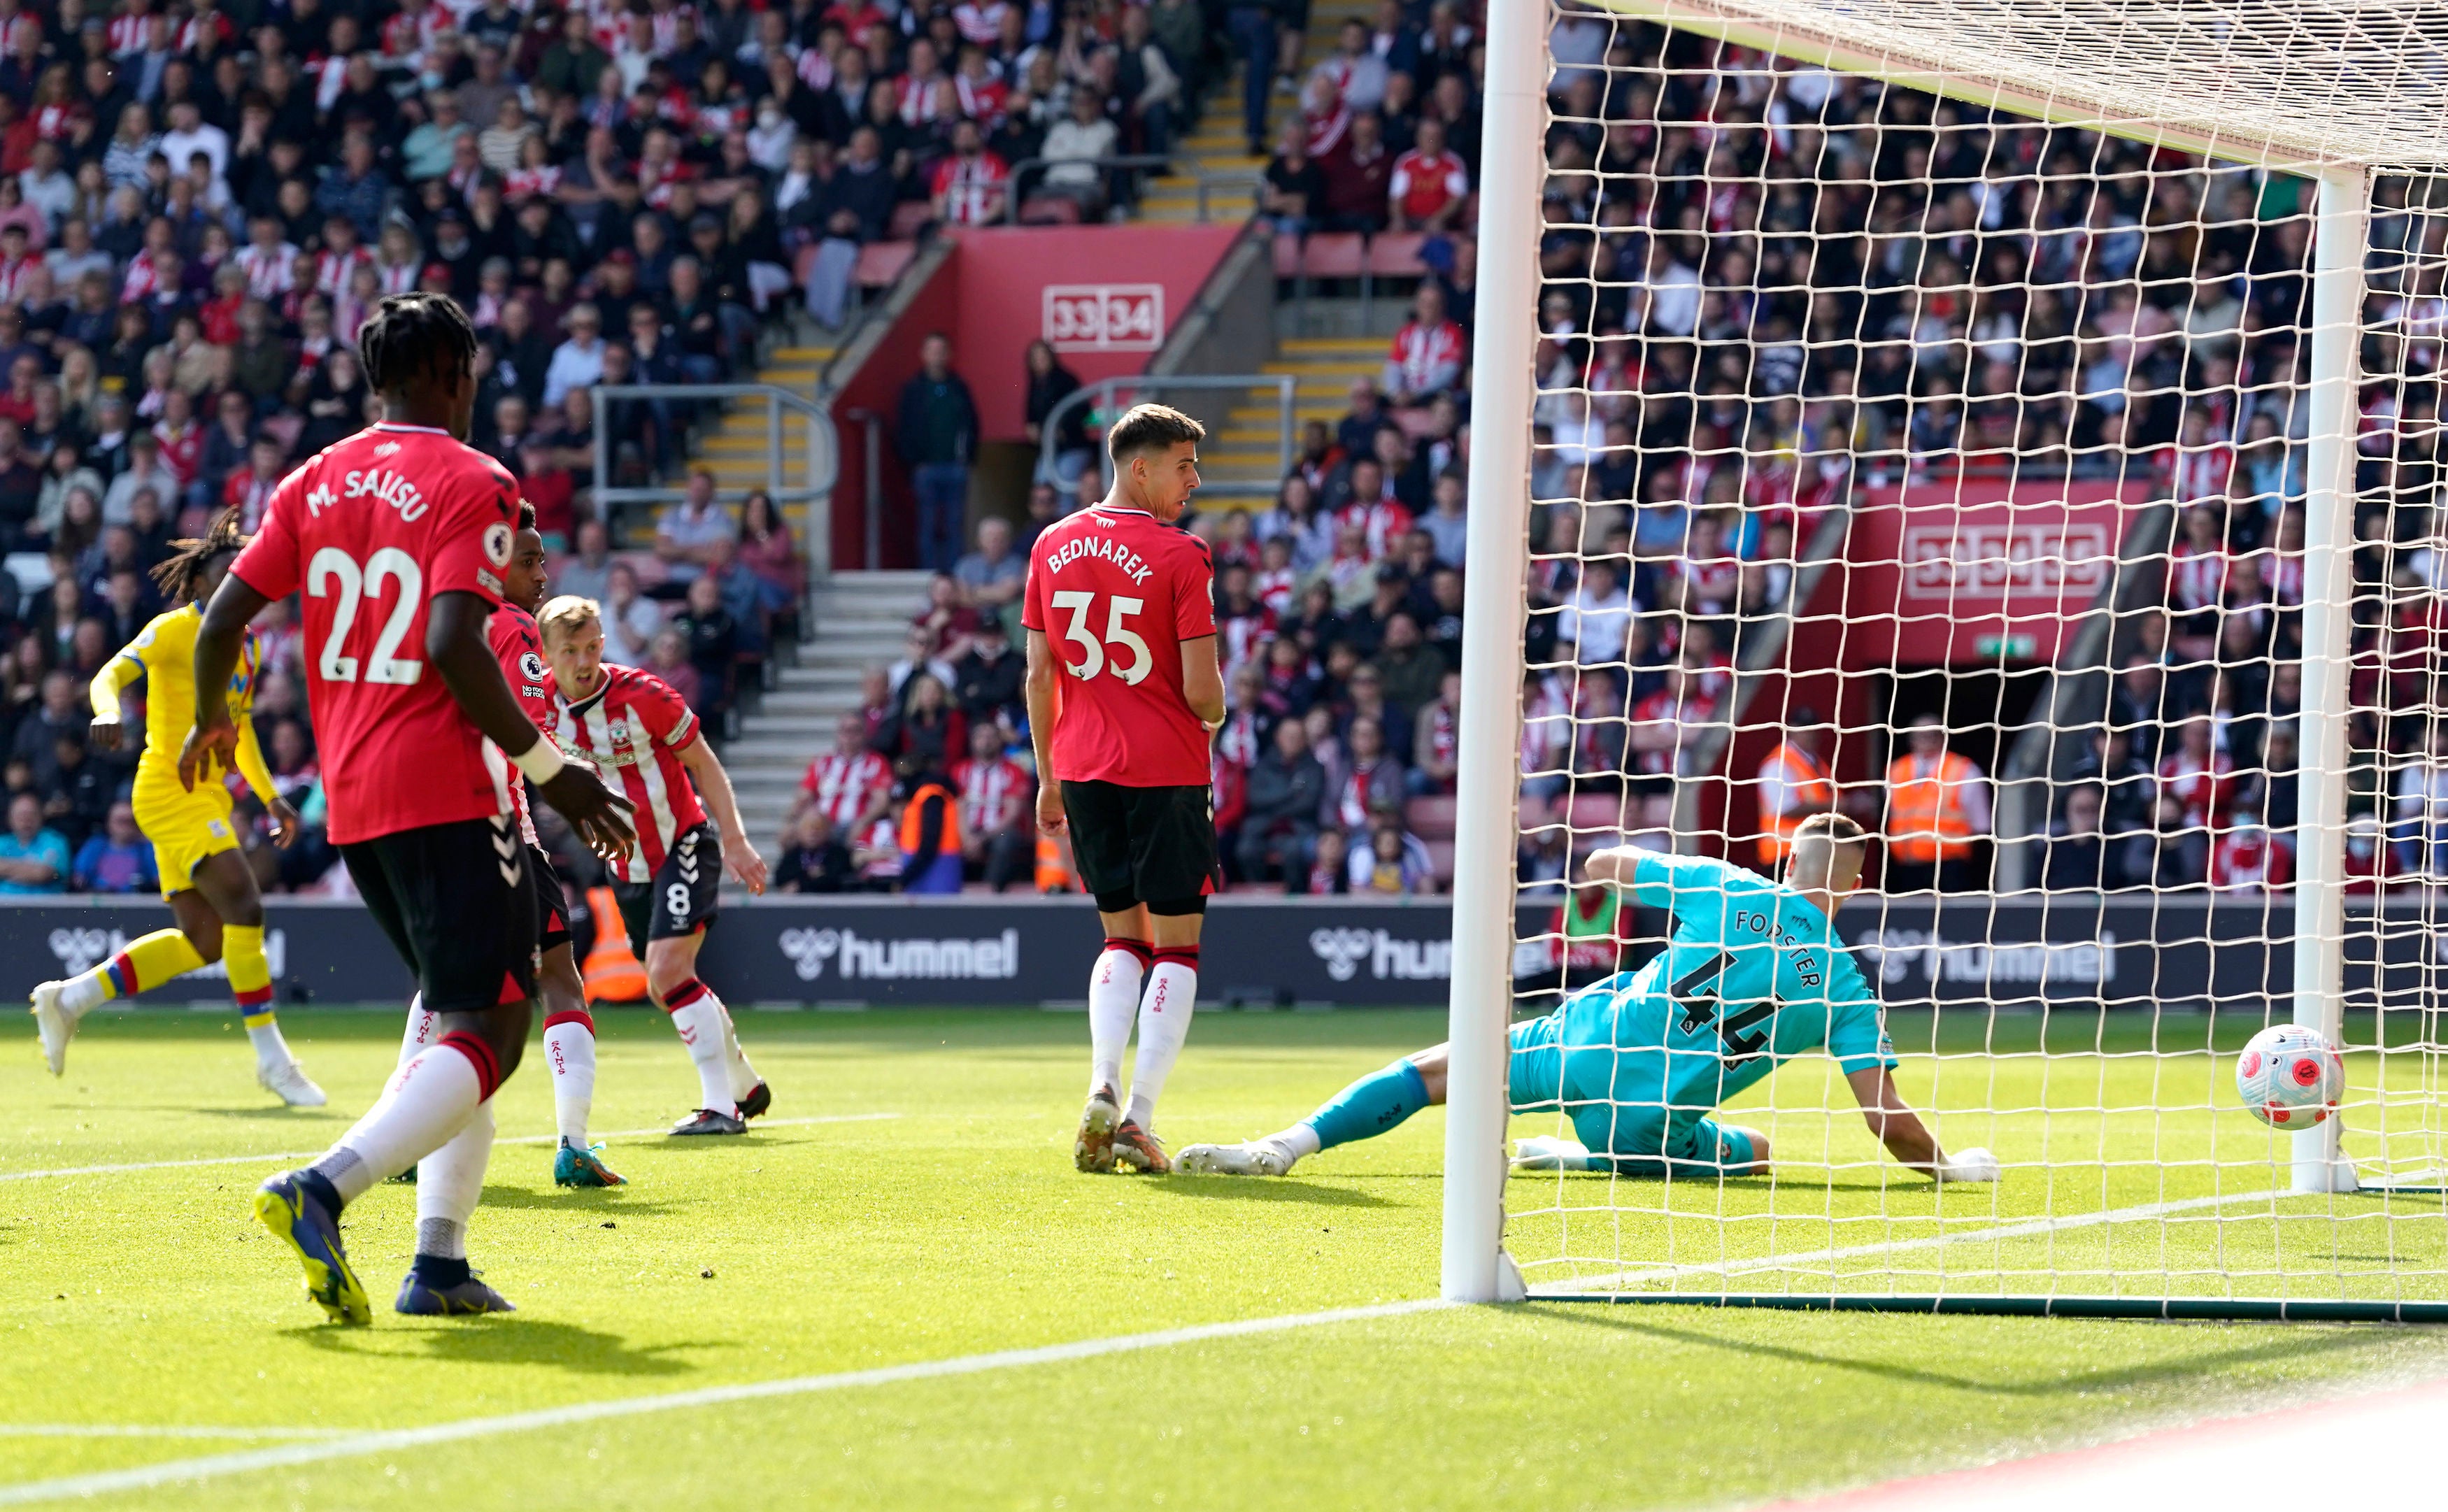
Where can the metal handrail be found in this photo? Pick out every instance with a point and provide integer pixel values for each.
(1285, 385)
(1129, 159)
(823, 462)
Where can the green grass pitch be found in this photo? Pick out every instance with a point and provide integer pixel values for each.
(148, 1300)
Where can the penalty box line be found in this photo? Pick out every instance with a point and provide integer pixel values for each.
(306, 1154)
(243, 1462)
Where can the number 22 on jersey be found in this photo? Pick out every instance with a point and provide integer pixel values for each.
(1118, 634)
(333, 574)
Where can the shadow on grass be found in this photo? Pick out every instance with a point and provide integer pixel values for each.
(612, 1203)
(1266, 1190)
(513, 1340)
(253, 1115)
(2292, 1343)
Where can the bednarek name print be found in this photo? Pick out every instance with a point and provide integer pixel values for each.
(1103, 549)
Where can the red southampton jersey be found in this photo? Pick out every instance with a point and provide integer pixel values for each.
(371, 528)
(635, 725)
(1116, 594)
(520, 650)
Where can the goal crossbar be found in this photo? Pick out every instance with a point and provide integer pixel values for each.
(2250, 83)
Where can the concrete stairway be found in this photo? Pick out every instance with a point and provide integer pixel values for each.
(1218, 146)
(733, 446)
(1239, 460)
(858, 620)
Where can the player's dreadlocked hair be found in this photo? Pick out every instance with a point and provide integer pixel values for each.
(413, 334)
(180, 572)
(526, 515)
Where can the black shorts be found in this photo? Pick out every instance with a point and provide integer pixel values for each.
(1142, 845)
(551, 901)
(682, 899)
(458, 905)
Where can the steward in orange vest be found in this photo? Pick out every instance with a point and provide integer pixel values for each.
(929, 831)
(1794, 784)
(1938, 804)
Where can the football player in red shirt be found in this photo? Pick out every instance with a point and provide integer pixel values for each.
(568, 1028)
(628, 722)
(397, 537)
(1125, 604)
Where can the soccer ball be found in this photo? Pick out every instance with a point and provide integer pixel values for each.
(2290, 1077)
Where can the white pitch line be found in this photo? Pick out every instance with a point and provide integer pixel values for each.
(243, 1462)
(2035, 1229)
(119, 1430)
(304, 1154)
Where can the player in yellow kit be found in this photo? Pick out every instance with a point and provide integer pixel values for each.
(204, 876)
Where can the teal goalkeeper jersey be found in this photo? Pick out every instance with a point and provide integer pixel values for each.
(1752, 976)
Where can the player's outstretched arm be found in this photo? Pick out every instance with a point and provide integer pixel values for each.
(1907, 1138)
(455, 645)
(219, 639)
(714, 784)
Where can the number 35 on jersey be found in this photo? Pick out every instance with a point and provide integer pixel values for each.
(1116, 595)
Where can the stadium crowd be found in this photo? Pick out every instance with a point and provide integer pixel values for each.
(199, 198)
(1767, 287)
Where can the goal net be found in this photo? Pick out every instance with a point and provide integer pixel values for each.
(2018, 429)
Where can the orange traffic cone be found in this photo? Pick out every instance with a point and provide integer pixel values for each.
(611, 970)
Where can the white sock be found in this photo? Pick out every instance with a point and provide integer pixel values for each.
(1164, 1026)
(423, 1029)
(1113, 1004)
(428, 1102)
(735, 1060)
(84, 992)
(698, 1017)
(272, 1052)
(1299, 1141)
(569, 1049)
(449, 1183)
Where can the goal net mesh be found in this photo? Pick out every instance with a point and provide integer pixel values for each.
(1947, 465)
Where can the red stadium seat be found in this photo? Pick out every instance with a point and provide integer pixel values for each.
(881, 263)
(1440, 861)
(1396, 255)
(1288, 251)
(909, 218)
(1342, 256)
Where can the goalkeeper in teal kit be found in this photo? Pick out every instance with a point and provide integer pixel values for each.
(1752, 976)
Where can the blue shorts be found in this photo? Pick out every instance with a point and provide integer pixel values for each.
(1548, 1071)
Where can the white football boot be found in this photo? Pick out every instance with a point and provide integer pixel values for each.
(56, 1025)
(288, 1082)
(1257, 1158)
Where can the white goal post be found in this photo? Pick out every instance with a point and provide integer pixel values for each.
(2334, 94)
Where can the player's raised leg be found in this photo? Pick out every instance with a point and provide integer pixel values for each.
(210, 889)
(1377, 1103)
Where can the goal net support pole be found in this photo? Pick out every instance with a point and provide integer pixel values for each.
(2340, 233)
(1489, 744)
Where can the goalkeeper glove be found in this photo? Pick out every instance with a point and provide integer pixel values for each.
(1975, 1164)
(1546, 1152)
